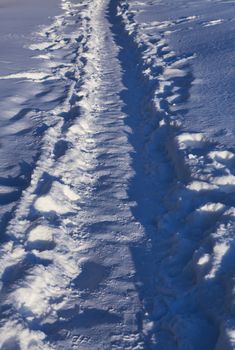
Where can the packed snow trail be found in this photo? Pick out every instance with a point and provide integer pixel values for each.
(70, 279)
(103, 245)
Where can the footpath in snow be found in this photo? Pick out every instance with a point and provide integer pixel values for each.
(122, 235)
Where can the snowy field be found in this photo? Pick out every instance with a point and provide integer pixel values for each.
(21, 100)
(117, 176)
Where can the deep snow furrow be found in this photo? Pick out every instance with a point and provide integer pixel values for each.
(190, 246)
(154, 178)
(118, 242)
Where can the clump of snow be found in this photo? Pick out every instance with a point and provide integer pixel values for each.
(40, 46)
(14, 336)
(201, 186)
(213, 23)
(222, 156)
(193, 140)
(204, 259)
(57, 199)
(40, 233)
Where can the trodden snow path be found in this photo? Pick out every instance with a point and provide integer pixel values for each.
(70, 278)
(108, 247)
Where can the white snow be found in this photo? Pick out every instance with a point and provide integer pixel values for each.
(204, 259)
(34, 76)
(119, 198)
(213, 23)
(191, 140)
(40, 237)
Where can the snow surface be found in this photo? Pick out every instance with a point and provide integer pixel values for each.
(117, 175)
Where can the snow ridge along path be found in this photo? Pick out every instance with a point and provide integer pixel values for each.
(118, 242)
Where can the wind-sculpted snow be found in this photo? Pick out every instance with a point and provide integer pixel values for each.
(122, 237)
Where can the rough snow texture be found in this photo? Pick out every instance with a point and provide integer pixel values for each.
(197, 228)
(123, 235)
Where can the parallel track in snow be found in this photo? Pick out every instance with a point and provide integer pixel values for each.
(92, 261)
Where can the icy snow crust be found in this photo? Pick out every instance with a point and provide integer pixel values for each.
(123, 235)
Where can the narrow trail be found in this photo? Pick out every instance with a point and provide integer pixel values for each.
(75, 259)
(94, 257)
(90, 212)
(153, 179)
